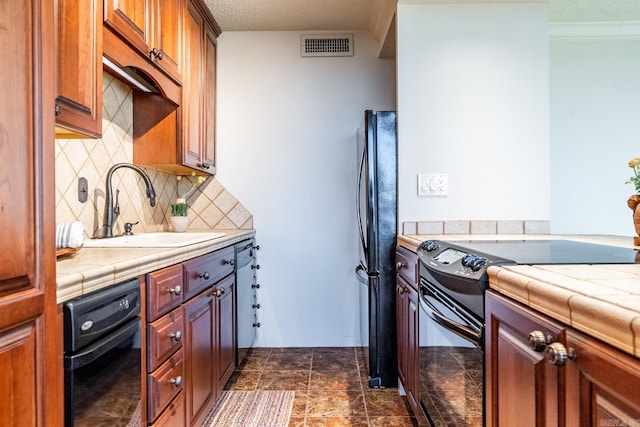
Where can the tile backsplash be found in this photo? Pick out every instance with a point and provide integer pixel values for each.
(211, 206)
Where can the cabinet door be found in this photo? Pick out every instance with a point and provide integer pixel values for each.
(192, 105)
(79, 91)
(167, 32)
(199, 314)
(521, 386)
(407, 305)
(225, 329)
(602, 385)
(131, 20)
(31, 383)
(208, 158)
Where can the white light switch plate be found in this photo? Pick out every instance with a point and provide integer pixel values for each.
(430, 184)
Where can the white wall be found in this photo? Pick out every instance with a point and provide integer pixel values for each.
(473, 104)
(595, 116)
(286, 149)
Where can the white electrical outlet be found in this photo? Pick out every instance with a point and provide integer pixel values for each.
(430, 184)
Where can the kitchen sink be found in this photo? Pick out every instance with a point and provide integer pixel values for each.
(152, 240)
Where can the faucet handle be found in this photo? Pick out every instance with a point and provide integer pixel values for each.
(128, 226)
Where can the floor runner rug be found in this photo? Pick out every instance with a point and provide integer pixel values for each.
(258, 408)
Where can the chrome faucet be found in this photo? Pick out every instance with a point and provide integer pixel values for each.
(112, 212)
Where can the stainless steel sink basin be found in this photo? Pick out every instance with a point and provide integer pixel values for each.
(152, 240)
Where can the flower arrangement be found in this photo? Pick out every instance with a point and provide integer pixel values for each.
(635, 179)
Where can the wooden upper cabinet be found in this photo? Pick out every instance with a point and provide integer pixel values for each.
(199, 90)
(152, 27)
(79, 83)
(167, 35)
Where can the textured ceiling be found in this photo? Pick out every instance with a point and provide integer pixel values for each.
(331, 15)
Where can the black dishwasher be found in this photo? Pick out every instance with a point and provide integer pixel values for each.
(102, 357)
(246, 297)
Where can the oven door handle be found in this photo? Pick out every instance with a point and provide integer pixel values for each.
(470, 334)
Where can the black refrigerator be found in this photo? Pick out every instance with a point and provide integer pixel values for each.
(377, 218)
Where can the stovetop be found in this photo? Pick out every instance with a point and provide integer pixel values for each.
(552, 251)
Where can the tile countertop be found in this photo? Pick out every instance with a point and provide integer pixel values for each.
(602, 301)
(95, 268)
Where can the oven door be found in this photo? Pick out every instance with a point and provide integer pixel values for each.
(451, 361)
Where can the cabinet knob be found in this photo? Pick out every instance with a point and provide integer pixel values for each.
(256, 305)
(157, 53)
(558, 354)
(204, 165)
(204, 275)
(229, 261)
(257, 247)
(400, 265)
(177, 381)
(176, 335)
(401, 290)
(176, 291)
(255, 267)
(58, 109)
(538, 341)
(256, 286)
(256, 325)
(218, 292)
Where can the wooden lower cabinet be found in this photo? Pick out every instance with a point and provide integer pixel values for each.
(191, 349)
(173, 416)
(595, 386)
(521, 386)
(199, 314)
(225, 331)
(602, 385)
(407, 312)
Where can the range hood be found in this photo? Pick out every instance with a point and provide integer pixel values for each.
(132, 76)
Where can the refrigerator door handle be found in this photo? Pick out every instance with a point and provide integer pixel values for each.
(358, 201)
(361, 273)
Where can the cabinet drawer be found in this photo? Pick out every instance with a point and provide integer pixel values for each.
(206, 270)
(164, 337)
(164, 291)
(173, 416)
(164, 384)
(407, 265)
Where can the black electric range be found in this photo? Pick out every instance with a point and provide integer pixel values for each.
(459, 268)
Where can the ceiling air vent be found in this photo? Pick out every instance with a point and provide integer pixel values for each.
(327, 45)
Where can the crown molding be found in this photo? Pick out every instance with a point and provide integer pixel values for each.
(594, 30)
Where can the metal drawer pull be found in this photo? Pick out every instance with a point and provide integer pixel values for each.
(400, 265)
(177, 381)
(538, 341)
(229, 261)
(176, 336)
(176, 291)
(218, 292)
(558, 354)
(204, 275)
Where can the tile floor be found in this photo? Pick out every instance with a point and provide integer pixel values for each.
(330, 385)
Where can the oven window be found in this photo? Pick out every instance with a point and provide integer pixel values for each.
(107, 391)
(451, 371)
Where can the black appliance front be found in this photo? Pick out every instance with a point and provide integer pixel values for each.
(451, 361)
(453, 280)
(102, 359)
(377, 218)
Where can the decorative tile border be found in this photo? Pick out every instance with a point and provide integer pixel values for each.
(476, 227)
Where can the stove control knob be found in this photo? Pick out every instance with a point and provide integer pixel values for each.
(468, 260)
(429, 246)
(478, 263)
